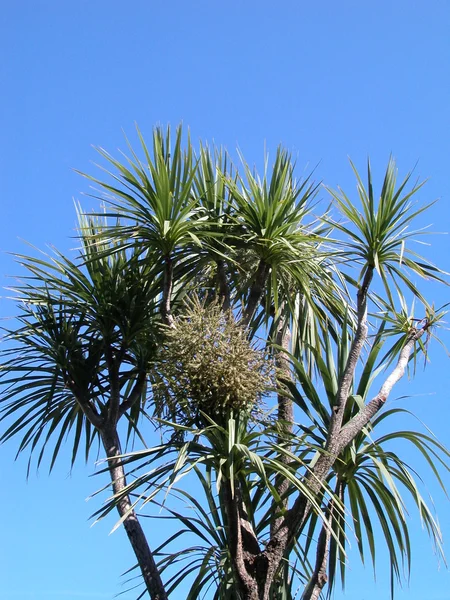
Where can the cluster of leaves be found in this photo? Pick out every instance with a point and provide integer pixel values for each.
(375, 482)
(208, 367)
(121, 328)
(76, 319)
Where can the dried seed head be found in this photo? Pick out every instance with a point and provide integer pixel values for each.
(207, 365)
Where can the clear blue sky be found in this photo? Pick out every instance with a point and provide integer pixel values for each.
(327, 79)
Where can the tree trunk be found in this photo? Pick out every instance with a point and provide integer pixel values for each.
(256, 291)
(242, 542)
(285, 415)
(224, 291)
(320, 577)
(131, 523)
(165, 309)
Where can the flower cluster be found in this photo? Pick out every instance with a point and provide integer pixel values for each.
(208, 366)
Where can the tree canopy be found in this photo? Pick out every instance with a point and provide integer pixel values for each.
(250, 331)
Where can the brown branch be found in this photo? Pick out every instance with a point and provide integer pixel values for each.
(113, 364)
(91, 413)
(256, 291)
(237, 533)
(135, 394)
(131, 522)
(224, 290)
(355, 352)
(299, 512)
(319, 577)
(88, 408)
(165, 308)
(296, 516)
(285, 414)
(339, 437)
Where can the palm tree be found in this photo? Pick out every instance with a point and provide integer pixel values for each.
(188, 241)
(79, 359)
(367, 473)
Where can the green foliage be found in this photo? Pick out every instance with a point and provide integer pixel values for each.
(375, 482)
(180, 306)
(377, 234)
(156, 196)
(74, 319)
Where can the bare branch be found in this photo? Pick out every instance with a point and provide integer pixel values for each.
(319, 577)
(113, 364)
(256, 291)
(165, 308)
(135, 394)
(297, 515)
(88, 408)
(130, 520)
(91, 413)
(353, 427)
(285, 416)
(224, 290)
(238, 535)
(291, 523)
(353, 357)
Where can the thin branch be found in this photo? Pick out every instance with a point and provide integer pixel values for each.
(236, 533)
(135, 394)
(165, 308)
(91, 413)
(299, 512)
(319, 577)
(130, 520)
(256, 291)
(297, 515)
(353, 427)
(113, 364)
(88, 408)
(224, 290)
(355, 352)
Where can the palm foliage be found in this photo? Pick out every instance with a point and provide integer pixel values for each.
(79, 360)
(73, 319)
(373, 480)
(377, 233)
(213, 301)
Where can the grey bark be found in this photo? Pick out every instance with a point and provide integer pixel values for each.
(339, 437)
(319, 577)
(107, 428)
(240, 539)
(131, 523)
(135, 394)
(285, 413)
(299, 512)
(165, 309)
(360, 420)
(352, 362)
